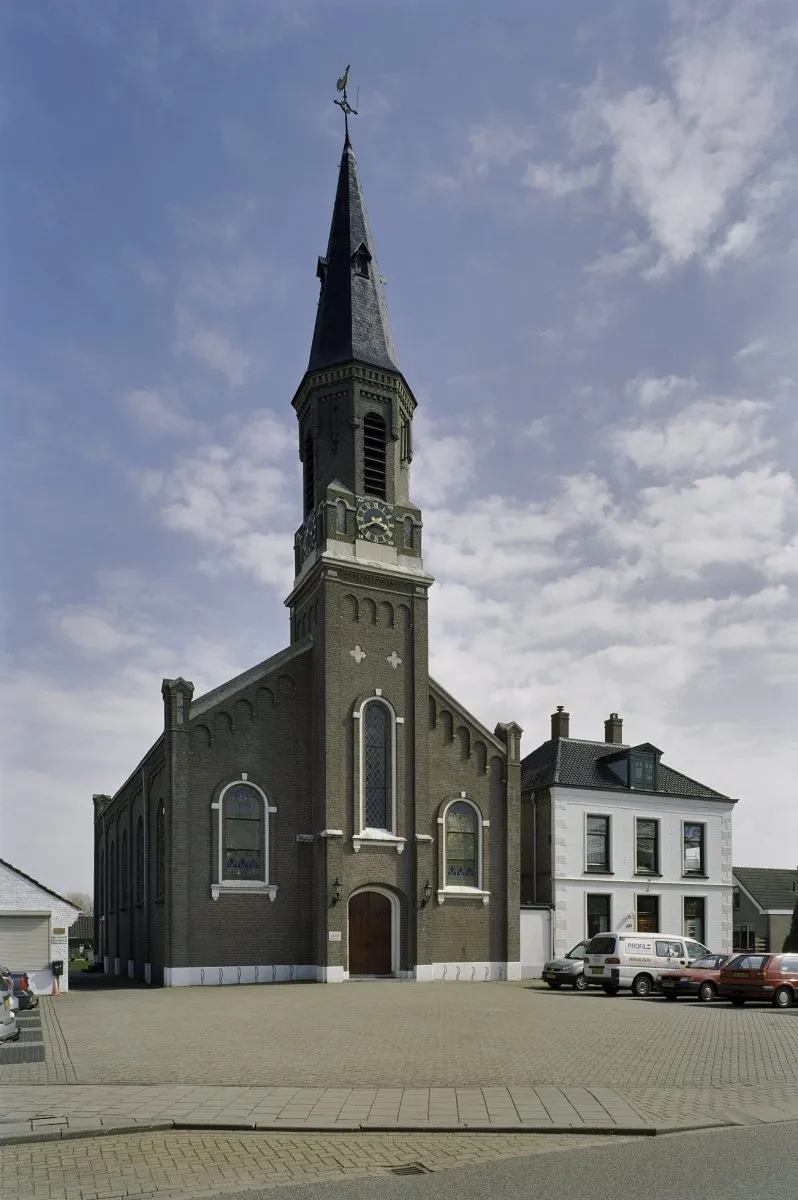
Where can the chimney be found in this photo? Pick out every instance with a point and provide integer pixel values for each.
(613, 729)
(559, 723)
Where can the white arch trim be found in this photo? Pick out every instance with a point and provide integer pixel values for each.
(395, 923)
(363, 833)
(463, 892)
(258, 886)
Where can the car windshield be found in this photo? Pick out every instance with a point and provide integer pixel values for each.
(578, 951)
(709, 963)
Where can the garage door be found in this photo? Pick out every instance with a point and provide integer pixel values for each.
(25, 942)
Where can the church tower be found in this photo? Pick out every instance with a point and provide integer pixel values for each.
(361, 593)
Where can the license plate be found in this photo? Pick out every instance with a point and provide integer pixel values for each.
(669, 983)
(740, 974)
(597, 970)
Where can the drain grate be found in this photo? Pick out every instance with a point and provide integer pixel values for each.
(410, 1169)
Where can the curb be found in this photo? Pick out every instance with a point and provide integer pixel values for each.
(90, 1131)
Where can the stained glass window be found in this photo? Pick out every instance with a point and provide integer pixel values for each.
(377, 766)
(243, 833)
(461, 845)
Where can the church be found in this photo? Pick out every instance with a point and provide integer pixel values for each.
(332, 813)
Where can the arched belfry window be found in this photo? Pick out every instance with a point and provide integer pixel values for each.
(243, 841)
(374, 440)
(309, 478)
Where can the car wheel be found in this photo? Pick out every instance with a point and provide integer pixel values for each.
(609, 990)
(737, 1001)
(553, 985)
(707, 991)
(641, 985)
(671, 996)
(580, 983)
(783, 997)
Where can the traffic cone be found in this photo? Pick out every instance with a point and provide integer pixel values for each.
(56, 989)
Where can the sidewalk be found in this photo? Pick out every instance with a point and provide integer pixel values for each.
(44, 1113)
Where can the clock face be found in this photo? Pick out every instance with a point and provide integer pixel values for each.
(375, 521)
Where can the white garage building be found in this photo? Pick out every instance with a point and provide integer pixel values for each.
(34, 928)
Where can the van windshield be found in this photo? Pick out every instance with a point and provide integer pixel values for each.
(601, 945)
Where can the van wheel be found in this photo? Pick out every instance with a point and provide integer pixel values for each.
(737, 1001)
(554, 986)
(580, 983)
(641, 985)
(783, 997)
(707, 991)
(609, 990)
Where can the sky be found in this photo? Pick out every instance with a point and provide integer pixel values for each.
(585, 215)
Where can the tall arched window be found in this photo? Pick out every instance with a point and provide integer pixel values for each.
(340, 516)
(140, 860)
(377, 766)
(160, 850)
(242, 833)
(103, 896)
(309, 477)
(407, 533)
(462, 851)
(124, 872)
(374, 455)
(243, 814)
(461, 845)
(112, 879)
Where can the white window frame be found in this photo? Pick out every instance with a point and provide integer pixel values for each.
(610, 897)
(704, 872)
(704, 919)
(258, 886)
(598, 872)
(463, 891)
(638, 870)
(365, 834)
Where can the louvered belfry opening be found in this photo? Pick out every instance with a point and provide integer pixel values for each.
(310, 485)
(374, 455)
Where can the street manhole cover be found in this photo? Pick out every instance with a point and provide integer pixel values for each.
(410, 1169)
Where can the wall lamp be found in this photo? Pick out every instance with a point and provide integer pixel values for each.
(427, 896)
(336, 893)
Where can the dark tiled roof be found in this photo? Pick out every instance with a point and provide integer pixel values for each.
(82, 929)
(771, 887)
(30, 879)
(352, 317)
(576, 763)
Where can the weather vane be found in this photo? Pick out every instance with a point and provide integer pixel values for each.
(343, 102)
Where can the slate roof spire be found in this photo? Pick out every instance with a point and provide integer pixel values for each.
(352, 317)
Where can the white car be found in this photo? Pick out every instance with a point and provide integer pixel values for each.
(635, 960)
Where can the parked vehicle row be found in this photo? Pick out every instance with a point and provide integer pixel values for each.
(18, 984)
(674, 966)
(9, 1029)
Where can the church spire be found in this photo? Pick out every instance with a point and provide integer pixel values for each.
(352, 317)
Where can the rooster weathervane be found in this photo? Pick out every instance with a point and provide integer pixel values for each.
(343, 102)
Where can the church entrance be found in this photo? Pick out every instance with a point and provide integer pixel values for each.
(370, 934)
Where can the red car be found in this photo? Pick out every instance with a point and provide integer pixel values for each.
(699, 979)
(754, 976)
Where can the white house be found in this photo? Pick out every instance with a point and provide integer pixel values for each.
(613, 839)
(34, 928)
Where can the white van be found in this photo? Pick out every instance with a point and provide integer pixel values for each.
(634, 960)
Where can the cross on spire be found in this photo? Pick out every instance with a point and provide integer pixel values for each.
(343, 103)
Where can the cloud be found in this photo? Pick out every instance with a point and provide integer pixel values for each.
(217, 350)
(557, 181)
(648, 389)
(493, 146)
(708, 435)
(160, 412)
(237, 501)
(538, 430)
(443, 464)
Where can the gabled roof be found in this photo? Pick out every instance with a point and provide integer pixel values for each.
(36, 883)
(225, 690)
(574, 763)
(352, 317)
(769, 887)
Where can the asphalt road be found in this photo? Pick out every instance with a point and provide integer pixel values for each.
(744, 1163)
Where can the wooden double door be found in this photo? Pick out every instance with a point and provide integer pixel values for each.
(370, 934)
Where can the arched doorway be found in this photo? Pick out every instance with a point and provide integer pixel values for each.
(373, 924)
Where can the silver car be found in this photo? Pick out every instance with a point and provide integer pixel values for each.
(569, 970)
(9, 1029)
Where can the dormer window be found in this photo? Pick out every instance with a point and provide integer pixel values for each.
(321, 271)
(641, 772)
(634, 767)
(361, 259)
